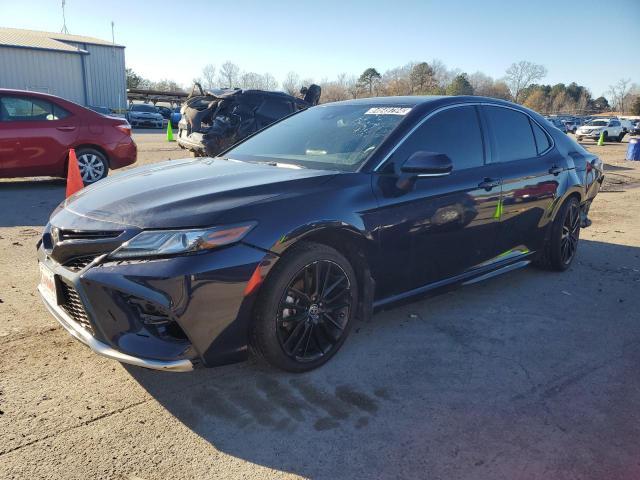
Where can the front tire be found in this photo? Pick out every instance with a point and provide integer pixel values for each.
(562, 245)
(305, 309)
(93, 165)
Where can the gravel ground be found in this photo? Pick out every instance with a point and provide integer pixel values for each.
(532, 375)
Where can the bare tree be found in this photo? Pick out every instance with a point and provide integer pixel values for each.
(291, 83)
(208, 76)
(251, 80)
(336, 90)
(229, 74)
(481, 83)
(167, 85)
(618, 93)
(269, 82)
(522, 74)
(352, 86)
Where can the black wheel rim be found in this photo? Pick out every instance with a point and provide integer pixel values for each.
(314, 311)
(570, 234)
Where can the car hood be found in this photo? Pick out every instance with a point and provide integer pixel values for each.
(186, 193)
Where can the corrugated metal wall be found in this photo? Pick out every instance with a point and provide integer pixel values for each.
(105, 75)
(58, 73)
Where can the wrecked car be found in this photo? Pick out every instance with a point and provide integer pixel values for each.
(213, 120)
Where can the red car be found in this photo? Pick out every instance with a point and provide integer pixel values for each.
(37, 130)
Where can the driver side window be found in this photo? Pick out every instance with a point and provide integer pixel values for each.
(454, 132)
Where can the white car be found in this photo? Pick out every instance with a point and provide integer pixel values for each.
(611, 127)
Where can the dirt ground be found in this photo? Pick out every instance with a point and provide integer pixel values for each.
(532, 375)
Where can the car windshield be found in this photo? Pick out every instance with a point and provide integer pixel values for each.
(598, 123)
(334, 137)
(143, 108)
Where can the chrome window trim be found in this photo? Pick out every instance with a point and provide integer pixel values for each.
(457, 105)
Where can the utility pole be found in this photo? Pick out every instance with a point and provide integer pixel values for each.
(64, 20)
(113, 53)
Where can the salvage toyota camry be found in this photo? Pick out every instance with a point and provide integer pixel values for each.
(278, 244)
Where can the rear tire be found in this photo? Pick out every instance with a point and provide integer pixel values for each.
(620, 137)
(561, 248)
(606, 136)
(93, 165)
(305, 308)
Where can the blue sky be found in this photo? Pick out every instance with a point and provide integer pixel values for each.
(321, 39)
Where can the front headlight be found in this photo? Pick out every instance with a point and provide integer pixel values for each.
(153, 243)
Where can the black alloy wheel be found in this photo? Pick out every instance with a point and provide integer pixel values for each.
(305, 308)
(570, 233)
(562, 244)
(313, 311)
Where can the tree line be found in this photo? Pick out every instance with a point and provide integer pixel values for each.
(521, 83)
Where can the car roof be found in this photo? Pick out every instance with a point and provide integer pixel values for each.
(12, 91)
(415, 100)
(46, 96)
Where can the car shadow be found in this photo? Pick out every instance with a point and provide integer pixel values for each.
(462, 385)
(29, 202)
(615, 168)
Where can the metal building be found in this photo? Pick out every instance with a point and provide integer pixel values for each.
(85, 70)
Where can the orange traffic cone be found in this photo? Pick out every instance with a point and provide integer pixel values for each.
(74, 179)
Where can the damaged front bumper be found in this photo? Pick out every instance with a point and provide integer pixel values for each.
(81, 334)
(170, 314)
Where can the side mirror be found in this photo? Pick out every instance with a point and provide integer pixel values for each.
(428, 164)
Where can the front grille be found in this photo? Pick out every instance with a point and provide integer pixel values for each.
(87, 234)
(78, 263)
(72, 304)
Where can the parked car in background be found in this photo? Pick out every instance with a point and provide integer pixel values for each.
(285, 239)
(627, 125)
(572, 125)
(635, 130)
(164, 111)
(109, 112)
(556, 122)
(610, 127)
(101, 110)
(37, 130)
(144, 115)
(214, 120)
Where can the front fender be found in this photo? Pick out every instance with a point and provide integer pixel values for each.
(315, 228)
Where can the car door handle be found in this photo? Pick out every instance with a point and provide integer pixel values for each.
(489, 183)
(66, 128)
(555, 170)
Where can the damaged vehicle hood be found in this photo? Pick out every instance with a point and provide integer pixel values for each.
(184, 193)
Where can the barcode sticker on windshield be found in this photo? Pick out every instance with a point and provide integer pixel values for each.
(387, 111)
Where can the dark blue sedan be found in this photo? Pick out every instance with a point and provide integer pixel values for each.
(279, 244)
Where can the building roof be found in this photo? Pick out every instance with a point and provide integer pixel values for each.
(63, 42)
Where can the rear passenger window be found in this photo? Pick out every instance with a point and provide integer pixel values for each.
(512, 134)
(19, 109)
(59, 113)
(455, 132)
(542, 140)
